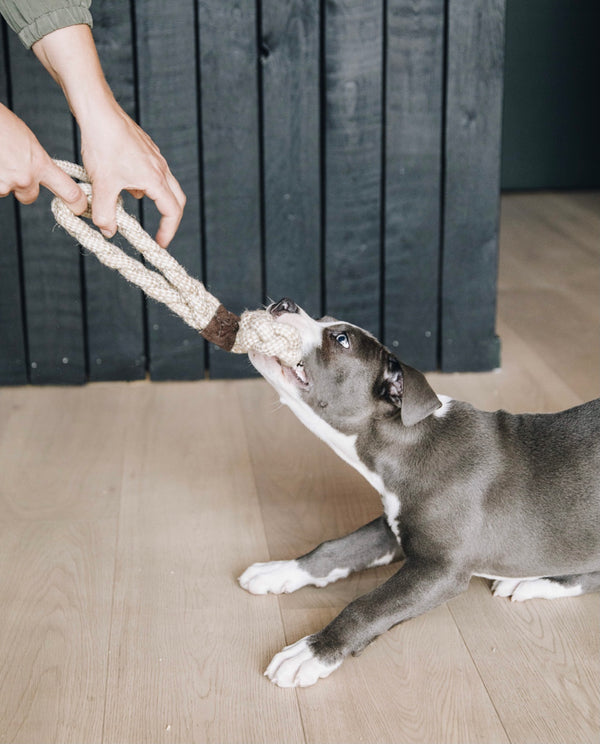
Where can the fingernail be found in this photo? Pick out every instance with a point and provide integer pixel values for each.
(106, 233)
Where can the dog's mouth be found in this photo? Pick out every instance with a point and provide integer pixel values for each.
(277, 373)
(296, 375)
(280, 376)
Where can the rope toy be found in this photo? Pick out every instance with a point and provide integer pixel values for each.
(256, 330)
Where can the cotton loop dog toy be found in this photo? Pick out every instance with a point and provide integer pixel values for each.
(255, 330)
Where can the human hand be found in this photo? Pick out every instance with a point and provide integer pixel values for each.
(118, 155)
(25, 165)
(116, 152)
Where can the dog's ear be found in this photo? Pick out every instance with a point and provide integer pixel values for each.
(418, 399)
(408, 390)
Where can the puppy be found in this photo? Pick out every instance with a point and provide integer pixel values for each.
(513, 498)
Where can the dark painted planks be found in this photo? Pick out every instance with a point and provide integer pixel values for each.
(318, 127)
(114, 308)
(13, 370)
(413, 159)
(353, 111)
(51, 260)
(166, 50)
(230, 135)
(472, 184)
(291, 151)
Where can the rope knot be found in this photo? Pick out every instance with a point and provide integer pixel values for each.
(259, 331)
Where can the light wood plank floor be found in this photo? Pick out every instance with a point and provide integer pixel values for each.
(128, 510)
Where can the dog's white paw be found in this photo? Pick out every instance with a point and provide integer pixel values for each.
(520, 590)
(504, 587)
(297, 666)
(276, 577)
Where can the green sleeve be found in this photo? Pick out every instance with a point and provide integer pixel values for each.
(32, 19)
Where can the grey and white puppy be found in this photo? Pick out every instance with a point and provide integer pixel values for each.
(513, 498)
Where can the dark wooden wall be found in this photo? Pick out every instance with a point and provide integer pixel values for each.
(343, 153)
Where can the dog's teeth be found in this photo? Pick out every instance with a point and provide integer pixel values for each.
(300, 373)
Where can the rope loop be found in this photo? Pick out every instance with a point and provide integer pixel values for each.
(187, 297)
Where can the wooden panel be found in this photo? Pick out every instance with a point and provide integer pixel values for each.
(166, 50)
(398, 690)
(322, 158)
(51, 260)
(291, 148)
(61, 452)
(13, 364)
(194, 677)
(353, 121)
(549, 651)
(114, 309)
(413, 161)
(55, 579)
(228, 61)
(556, 272)
(471, 188)
(61, 459)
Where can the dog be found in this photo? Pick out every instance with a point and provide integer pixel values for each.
(512, 498)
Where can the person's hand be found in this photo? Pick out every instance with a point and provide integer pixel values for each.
(25, 165)
(116, 153)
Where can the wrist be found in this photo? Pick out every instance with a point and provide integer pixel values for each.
(69, 55)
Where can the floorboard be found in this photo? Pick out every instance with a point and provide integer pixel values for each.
(189, 524)
(60, 480)
(128, 510)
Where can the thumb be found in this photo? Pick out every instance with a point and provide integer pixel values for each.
(57, 181)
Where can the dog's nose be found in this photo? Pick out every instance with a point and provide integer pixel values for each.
(283, 306)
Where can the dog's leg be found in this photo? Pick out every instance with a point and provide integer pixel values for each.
(372, 545)
(416, 588)
(549, 587)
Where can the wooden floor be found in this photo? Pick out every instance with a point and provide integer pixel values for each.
(128, 510)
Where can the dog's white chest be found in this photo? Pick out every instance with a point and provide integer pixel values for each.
(344, 445)
(391, 507)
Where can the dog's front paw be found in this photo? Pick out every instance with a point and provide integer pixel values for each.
(297, 666)
(276, 577)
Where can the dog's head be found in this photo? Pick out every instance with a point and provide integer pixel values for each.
(346, 376)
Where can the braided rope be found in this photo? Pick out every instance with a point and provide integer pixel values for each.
(187, 297)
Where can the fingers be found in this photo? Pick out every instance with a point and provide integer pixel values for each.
(104, 208)
(57, 181)
(164, 191)
(170, 202)
(27, 194)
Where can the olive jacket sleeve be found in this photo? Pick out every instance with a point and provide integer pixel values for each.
(32, 19)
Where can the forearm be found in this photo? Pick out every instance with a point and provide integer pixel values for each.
(69, 55)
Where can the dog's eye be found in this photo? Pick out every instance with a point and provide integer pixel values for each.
(343, 340)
